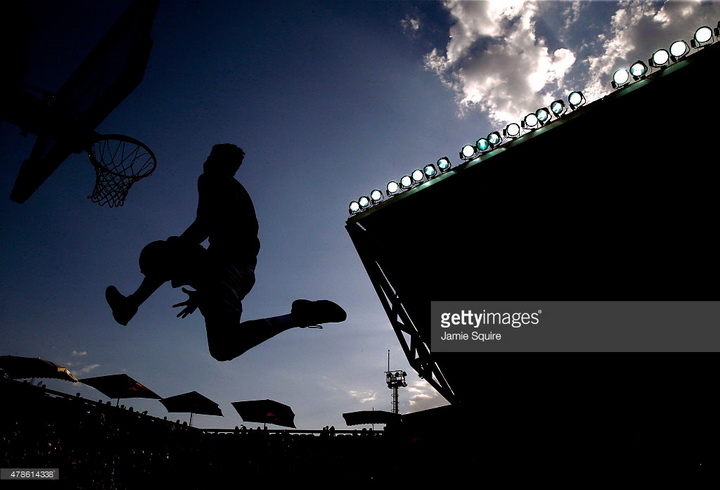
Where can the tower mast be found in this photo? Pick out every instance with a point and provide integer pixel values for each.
(394, 379)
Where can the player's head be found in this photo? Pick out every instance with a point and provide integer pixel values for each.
(225, 159)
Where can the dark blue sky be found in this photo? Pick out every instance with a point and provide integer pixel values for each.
(330, 99)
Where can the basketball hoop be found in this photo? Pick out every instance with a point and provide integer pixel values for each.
(119, 162)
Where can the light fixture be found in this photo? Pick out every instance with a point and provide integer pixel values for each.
(483, 144)
(576, 99)
(703, 36)
(444, 164)
(558, 108)
(543, 115)
(430, 171)
(494, 138)
(354, 207)
(417, 176)
(638, 70)
(620, 78)
(467, 152)
(376, 196)
(530, 121)
(679, 49)
(660, 58)
(392, 188)
(406, 182)
(512, 130)
(364, 202)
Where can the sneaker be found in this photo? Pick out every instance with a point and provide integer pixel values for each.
(122, 309)
(312, 313)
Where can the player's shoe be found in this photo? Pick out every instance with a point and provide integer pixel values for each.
(314, 313)
(122, 309)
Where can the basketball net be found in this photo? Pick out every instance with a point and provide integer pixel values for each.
(119, 162)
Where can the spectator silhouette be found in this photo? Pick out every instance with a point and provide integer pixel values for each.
(222, 274)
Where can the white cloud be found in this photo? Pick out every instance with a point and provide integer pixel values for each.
(410, 25)
(572, 13)
(496, 62)
(363, 396)
(422, 396)
(79, 367)
(86, 369)
(639, 28)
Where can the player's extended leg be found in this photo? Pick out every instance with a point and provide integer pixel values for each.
(228, 338)
(160, 261)
(124, 308)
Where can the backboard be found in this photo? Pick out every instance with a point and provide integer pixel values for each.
(65, 123)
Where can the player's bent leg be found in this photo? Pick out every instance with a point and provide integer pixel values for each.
(123, 309)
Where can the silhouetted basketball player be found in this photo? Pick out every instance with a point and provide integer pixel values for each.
(221, 274)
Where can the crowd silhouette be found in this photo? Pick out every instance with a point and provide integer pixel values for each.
(99, 445)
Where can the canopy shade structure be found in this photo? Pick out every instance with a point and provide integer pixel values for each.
(266, 412)
(34, 367)
(120, 386)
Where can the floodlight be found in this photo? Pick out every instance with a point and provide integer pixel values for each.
(467, 152)
(530, 121)
(679, 49)
(512, 130)
(444, 164)
(620, 78)
(393, 188)
(354, 207)
(702, 37)
(494, 138)
(417, 176)
(661, 57)
(558, 108)
(483, 144)
(638, 70)
(576, 99)
(430, 171)
(543, 115)
(406, 182)
(364, 202)
(376, 196)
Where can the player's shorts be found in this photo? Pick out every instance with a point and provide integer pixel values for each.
(226, 287)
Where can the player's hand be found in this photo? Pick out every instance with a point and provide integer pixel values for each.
(190, 305)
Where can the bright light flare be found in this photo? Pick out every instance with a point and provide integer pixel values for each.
(679, 49)
(661, 57)
(620, 78)
(467, 151)
(702, 37)
(576, 99)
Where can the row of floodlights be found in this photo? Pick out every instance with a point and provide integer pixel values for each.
(704, 36)
(394, 187)
(530, 122)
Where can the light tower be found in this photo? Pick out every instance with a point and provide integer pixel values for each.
(394, 379)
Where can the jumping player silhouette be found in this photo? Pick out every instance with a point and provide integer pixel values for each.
(222, 274)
